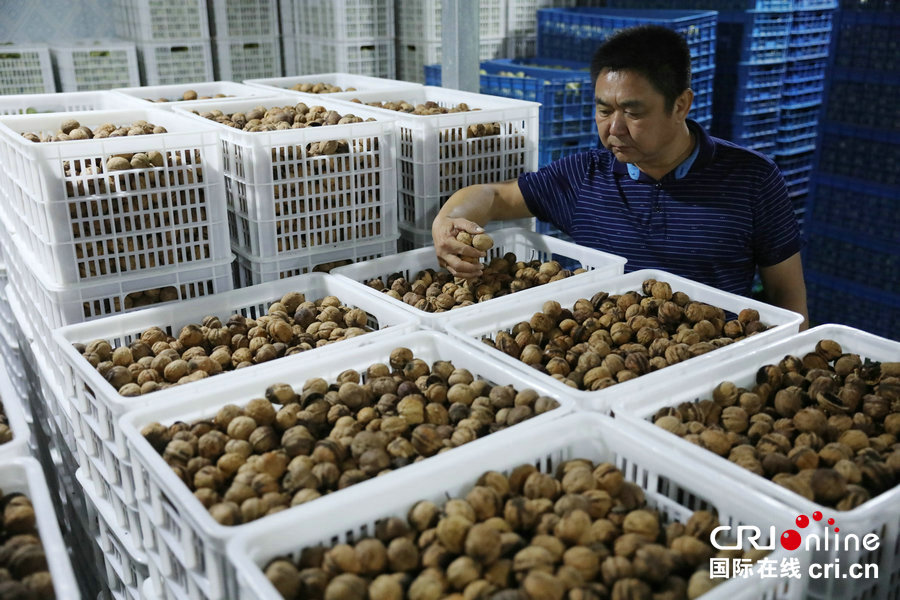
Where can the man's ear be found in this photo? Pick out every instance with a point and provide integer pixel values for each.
(683, 104)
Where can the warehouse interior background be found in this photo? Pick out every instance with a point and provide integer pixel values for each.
(813, 84)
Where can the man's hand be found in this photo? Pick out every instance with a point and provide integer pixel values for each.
(458, 258)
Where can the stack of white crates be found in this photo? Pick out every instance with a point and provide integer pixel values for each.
(245, 38)
(26, 69)
(419, 35)
(521, 25)
(95, 65)
(172, 38)
(352, 36)
(82, 240)
(292, 210)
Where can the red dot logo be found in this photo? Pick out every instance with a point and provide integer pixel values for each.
(837, 529)
(802, 521)
(790, 540)
(817, 516)
(831, 521)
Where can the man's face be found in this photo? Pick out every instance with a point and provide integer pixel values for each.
(632, 119)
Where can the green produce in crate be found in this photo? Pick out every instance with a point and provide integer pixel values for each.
(157, 360)
(582, 532)
(823, 425)
(23, 564)
(610, 339)
(292, 446)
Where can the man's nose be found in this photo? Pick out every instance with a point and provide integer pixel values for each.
(617, 124)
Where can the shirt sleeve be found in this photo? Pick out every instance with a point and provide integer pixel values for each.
(776, 233)
(551, 192)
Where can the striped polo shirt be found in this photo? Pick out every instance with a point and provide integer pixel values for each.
(714, 224)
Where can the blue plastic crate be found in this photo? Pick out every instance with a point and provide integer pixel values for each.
(811, 20)
(562, 87)
(855, 152)
(832, 251)
(835, 300)
(798, 119)
(815, 4)
(795, 163)
(575, 33)
(763, 126)
(805, 71)
(856, 206)
(867, 40)
(550, 149)
(879, 96)
(786, 145)
(804, 98)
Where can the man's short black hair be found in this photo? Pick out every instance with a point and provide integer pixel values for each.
(658, 53)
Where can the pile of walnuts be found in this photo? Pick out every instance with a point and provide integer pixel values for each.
(73, 130)
(278, 118)
(438, 291)
(189, 95)
(23, 564)
(293, 446)
(583, 533)
(430, 107)
(157, 360)
(610, 339)
(320, 88)
(824, 425)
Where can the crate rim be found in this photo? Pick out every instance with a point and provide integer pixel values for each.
(653, 14)
(134, 92)
(132, 421)
(366, 506)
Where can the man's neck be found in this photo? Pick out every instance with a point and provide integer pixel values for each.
(680, 152)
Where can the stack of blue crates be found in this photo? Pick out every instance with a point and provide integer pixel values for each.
(575, 34)
(562, 87)
(852, 259)
(803, 95)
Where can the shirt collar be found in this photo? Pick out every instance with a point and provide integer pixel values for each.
(701, 155)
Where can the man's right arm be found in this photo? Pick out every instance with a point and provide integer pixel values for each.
(467, 210)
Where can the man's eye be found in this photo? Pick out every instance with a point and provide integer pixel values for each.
(603, 112)
(633, 115)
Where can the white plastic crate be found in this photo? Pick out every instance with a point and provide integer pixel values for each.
(83, 227)
(421, 19)
(176, 61)
(13, 404)
(148, 589)
(193, 538)
(241, 58)
(373, 57)
(413, 54)
(11, 352)
(62, 102)
(289, 58)
(249, 270)
(362, 83)
(210, 91)
(24, 475)
(282, 200)
(99, 406)
(50, 306)
(160, 20)
(95, 65)
(526, 245)
(880, 515)
(504, 313)
(675, 488)
(125, 564)
(26, 69)
(237, 18)
(343, 20)
(521, 15)
(437, 156)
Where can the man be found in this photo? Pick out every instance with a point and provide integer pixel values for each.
(661, 192)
